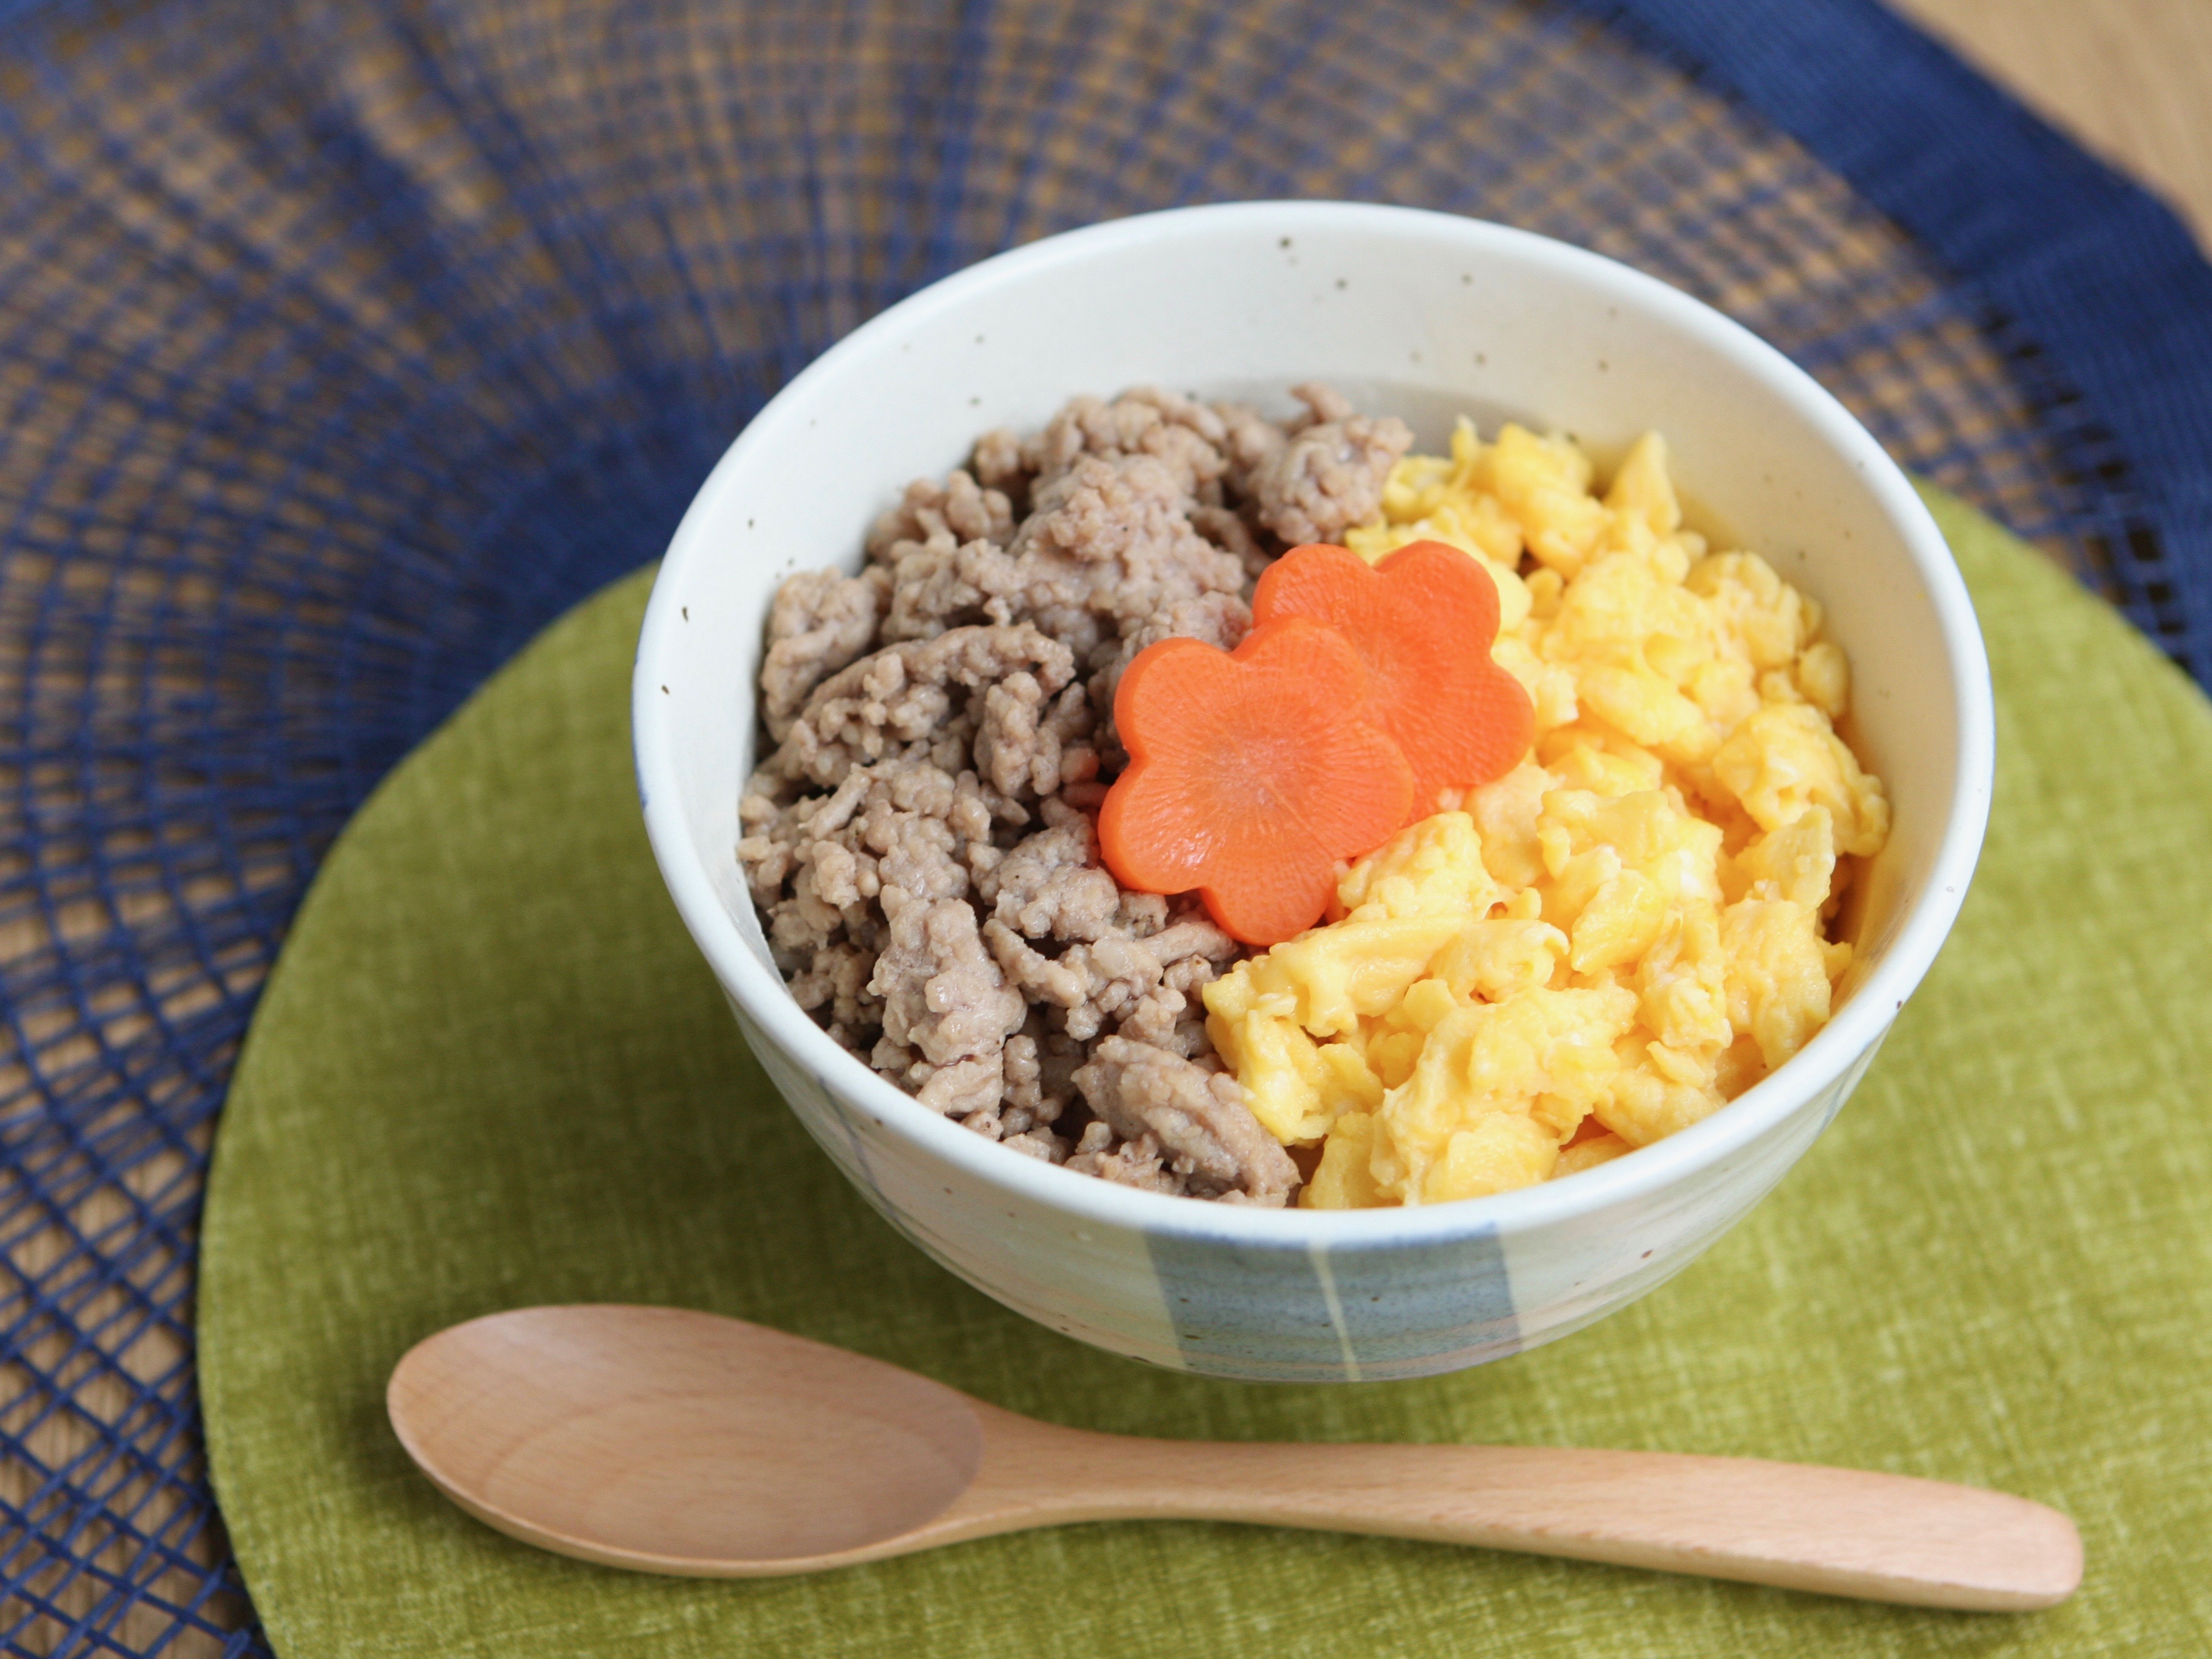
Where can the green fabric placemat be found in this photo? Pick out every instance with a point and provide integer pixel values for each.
(491, 1070)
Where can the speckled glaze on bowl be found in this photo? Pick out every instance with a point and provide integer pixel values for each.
(1423, 315)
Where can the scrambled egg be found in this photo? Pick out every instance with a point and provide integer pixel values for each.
(1628, 929)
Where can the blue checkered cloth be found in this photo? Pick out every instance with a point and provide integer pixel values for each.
(344, 342)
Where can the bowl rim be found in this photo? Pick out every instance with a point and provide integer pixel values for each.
(1854, 1030)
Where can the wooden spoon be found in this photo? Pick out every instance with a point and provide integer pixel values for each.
(685, 1443)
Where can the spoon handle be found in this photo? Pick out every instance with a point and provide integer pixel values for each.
(1843, 1532)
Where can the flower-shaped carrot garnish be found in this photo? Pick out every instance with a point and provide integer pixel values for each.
(1250, 774)
(1422, 621)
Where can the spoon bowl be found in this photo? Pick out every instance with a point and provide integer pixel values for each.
(675, 1442)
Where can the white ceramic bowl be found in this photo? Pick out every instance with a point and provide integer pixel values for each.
(1415, 313)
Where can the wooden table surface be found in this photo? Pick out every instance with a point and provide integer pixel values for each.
(2129, 79)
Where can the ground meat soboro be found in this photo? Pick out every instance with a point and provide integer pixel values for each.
(921, 840)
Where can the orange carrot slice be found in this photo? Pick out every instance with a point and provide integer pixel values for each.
(1250, 774)
(1422, 621)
